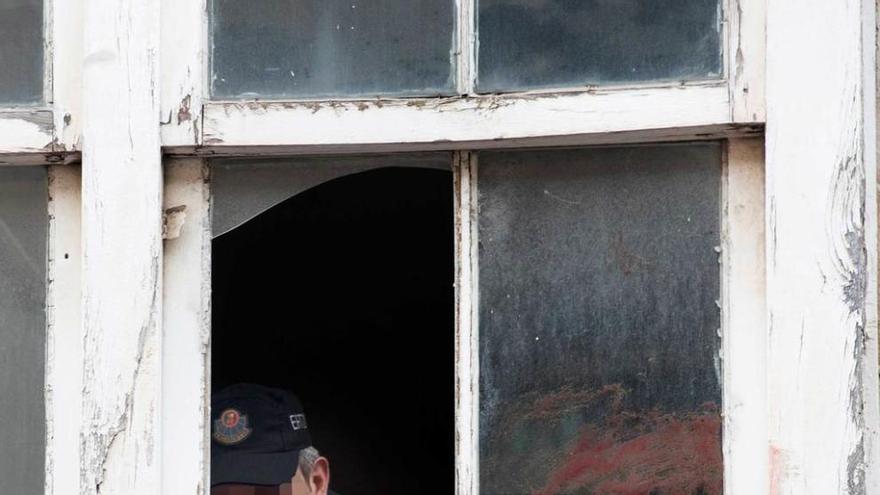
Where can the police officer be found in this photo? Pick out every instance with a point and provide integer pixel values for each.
(260, 436)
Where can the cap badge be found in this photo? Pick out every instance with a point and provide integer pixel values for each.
(231, 427)
(298, 422)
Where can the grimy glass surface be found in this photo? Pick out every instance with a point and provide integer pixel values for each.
(599, 330)
(532, 44)
(21, 51)
(331, 48)
(23, 227)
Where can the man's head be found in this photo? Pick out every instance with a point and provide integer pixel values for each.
(260, 436)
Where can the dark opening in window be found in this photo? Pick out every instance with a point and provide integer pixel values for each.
(343, 294)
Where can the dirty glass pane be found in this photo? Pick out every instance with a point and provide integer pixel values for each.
(331, 48)
(23, 227)
(21, 51)
(528, 44)
(599, 330)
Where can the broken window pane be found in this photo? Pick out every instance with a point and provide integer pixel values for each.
(23, 227)
(320, 48)
(599, 328)
(21, 51)
(528, 44)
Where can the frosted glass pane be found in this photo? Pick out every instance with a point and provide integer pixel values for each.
(23, 227)
(598, 323)
(529, 44)
(21, 51)
(331, 48)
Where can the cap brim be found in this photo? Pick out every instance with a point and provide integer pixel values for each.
(254, 468)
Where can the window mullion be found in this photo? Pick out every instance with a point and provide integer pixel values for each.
(467, 362)
(466, 47)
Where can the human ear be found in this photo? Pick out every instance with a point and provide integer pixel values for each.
(319, 478)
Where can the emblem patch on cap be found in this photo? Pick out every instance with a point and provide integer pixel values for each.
(298, 422)
(231, 427)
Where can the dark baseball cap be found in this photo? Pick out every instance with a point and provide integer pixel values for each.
(257, 433)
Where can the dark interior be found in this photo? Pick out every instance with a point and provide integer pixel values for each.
(343, 294)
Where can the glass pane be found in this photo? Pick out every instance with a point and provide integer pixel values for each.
(331, 48)
(527, 44)
(23, 227)
(244, 188)
(598, 322)
(21, 51)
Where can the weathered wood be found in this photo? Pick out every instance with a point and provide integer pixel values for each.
(26, 131)
(187, 323)
(184, 70)
(122, 250)
(821, 247)
(744, 341)
(64, 357)
(65, 54)
(467, 360)
(478, 119)
(746, 41)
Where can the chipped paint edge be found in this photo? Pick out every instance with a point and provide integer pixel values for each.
(467, 364)
(64, 365)
(187, 322)
(744, 345)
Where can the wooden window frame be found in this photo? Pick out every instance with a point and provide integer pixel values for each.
(143, 376)
(731, 106)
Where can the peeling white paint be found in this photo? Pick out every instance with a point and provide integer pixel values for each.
(187, 333)
(64, 357)
(822, 247)
(122, 250)
(447, 121)
(744, 341)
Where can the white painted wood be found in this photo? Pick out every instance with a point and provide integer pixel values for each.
(744, 341)
(187, 332)
(26, 131)
(184, 39)
(64, 358)
(465, 56)
(821, 247)
(467, 362)
(453, 120)
(120, 430)
(65, 39)
(745, 57)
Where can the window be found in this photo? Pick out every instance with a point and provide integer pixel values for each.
(21, 52)
(333, 277)
(598, 322)
(321, 49)
(528, 44)
(23, 229)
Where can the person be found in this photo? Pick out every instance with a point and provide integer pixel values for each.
(260, 437)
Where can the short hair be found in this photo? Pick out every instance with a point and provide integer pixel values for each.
(307, 458)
